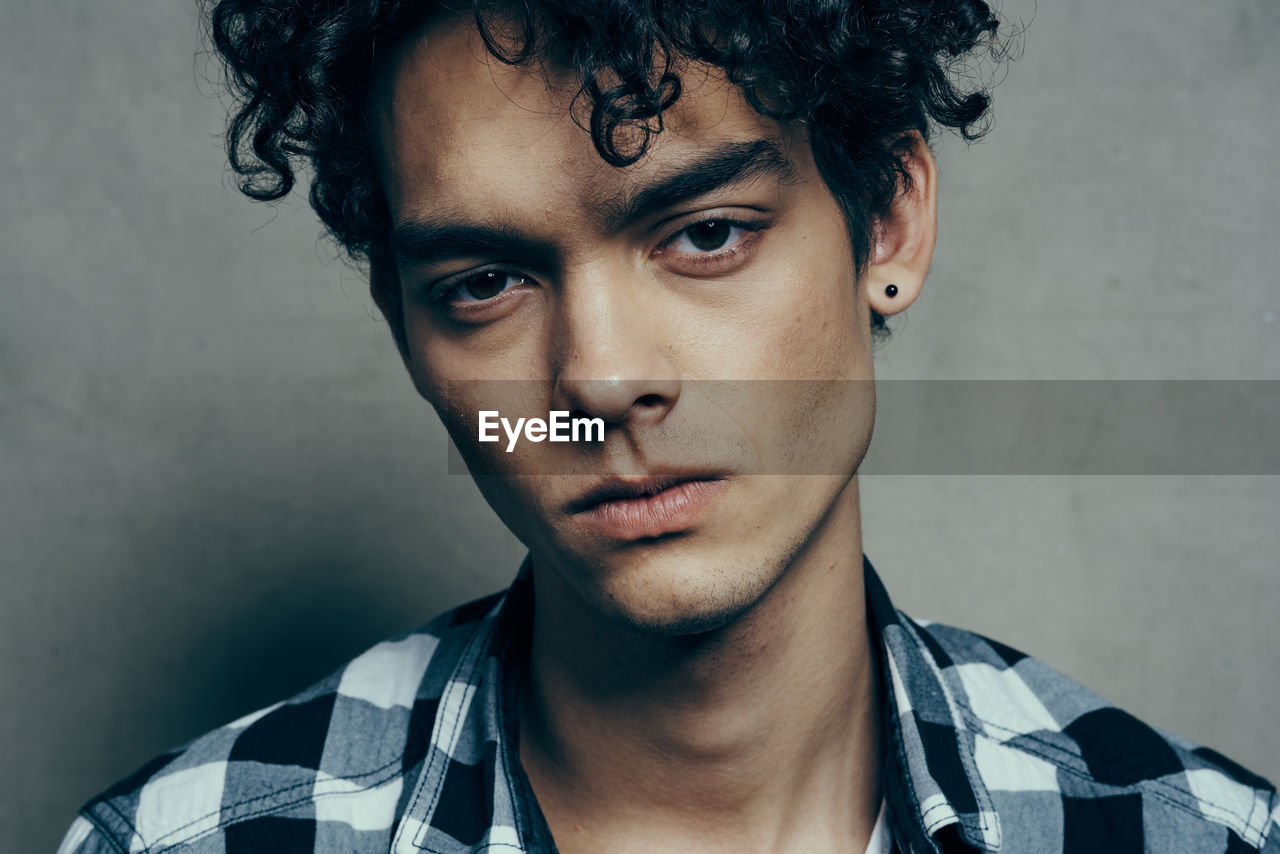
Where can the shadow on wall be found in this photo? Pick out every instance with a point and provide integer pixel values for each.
(200, 587)
(268, 647)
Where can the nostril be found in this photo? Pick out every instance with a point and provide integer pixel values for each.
(649, 400)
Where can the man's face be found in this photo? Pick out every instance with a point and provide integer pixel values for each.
(698, 302)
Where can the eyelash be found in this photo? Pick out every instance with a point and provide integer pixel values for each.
(711, 260)
(705, 262)
(439, 294)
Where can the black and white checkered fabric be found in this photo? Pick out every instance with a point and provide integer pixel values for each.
(408, 749)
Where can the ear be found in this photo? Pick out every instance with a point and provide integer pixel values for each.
(384, 287)
(905, 236)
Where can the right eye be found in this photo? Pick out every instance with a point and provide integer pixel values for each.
(480, 287)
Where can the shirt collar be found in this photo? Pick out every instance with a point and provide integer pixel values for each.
(935, 797)
(934, 792)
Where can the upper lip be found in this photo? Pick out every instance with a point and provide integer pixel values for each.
(616, 487)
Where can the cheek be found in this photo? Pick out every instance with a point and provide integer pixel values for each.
(460, 402)
(811, 324)
(812, 337)
(502, 477)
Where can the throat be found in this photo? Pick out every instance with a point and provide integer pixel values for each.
(763, 735)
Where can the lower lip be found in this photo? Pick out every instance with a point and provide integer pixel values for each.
(670, 511)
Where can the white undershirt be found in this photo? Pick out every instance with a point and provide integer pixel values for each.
(880, 842)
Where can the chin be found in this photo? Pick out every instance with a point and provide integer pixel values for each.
(672, 595)
(680, 620)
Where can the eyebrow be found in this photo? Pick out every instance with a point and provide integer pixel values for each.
(429, 239)
(722, 166)
(422, 241)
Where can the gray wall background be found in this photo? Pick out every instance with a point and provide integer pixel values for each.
(216, 484)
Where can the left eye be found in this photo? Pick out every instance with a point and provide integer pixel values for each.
(708, 236)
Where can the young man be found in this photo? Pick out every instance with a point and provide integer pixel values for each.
(684, 223)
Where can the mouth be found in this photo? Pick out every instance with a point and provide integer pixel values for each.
(645, 507)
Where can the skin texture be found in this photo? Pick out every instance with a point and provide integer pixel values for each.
(709, 689)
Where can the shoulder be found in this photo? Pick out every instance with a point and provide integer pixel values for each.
(1046, 746)
(331, 760)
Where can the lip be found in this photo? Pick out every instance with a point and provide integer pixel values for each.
(646, 507)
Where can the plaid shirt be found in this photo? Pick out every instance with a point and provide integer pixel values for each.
(410, 748)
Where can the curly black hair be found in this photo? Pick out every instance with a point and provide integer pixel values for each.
(863, 76)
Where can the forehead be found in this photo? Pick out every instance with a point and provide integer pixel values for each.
(459, 132)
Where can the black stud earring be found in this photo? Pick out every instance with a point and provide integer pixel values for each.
(891, 291)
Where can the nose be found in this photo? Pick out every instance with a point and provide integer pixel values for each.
(613, 358)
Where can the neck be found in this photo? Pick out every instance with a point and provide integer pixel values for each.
(761, 735)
